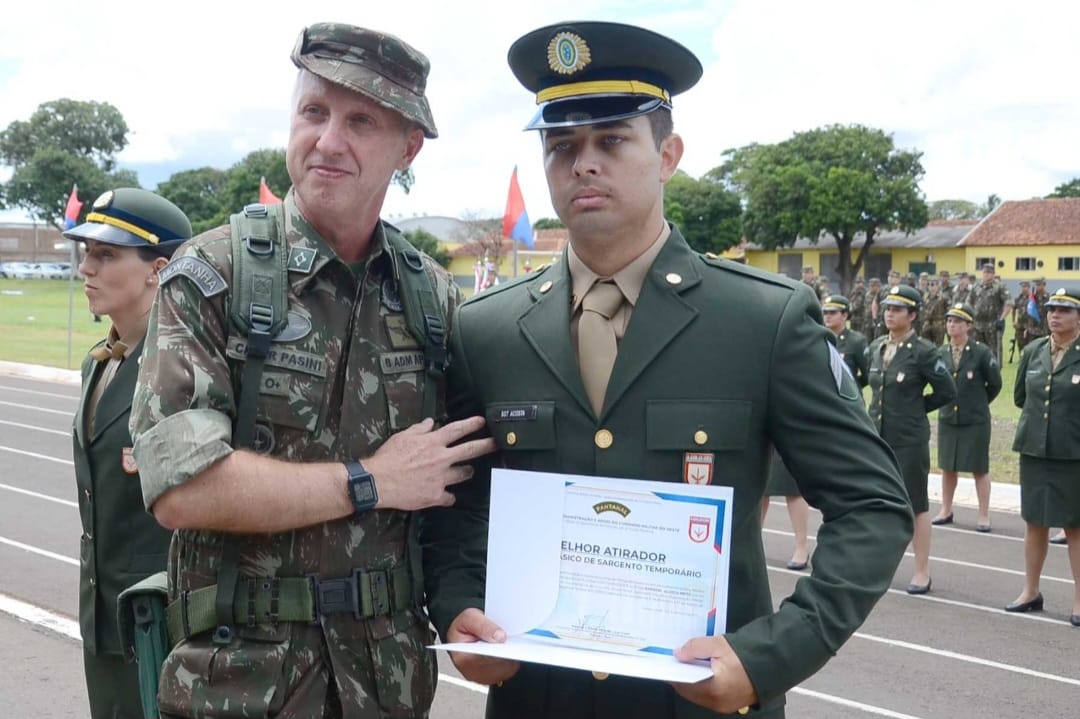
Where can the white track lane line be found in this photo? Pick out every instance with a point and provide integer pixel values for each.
(65, 412)
(72, 397)
(35, 455)
(36, 428)
(39, 551)
(37, 495)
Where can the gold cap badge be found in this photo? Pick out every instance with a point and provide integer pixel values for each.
(567, 53)
(104, 200)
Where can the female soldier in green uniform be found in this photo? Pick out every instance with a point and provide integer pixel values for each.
(1048, 440)
(964, 425)
(129, 236)
(901, 365)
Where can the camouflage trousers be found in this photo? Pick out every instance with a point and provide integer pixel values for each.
(934, 332)
(341, 669)
(989, 336)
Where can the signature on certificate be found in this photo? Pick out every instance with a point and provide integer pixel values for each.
(591, 622)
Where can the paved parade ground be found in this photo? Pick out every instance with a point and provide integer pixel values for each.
(952, 653)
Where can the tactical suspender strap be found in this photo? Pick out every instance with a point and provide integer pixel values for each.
(258, 309)
(424, 315)
(259, 302)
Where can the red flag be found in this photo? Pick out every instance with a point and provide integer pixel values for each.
(267, 197)
(71, 212)
(515, 220)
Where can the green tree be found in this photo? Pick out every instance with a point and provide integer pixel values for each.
(953, 210)
(64, 142)
(427, 243)
(992, 201)
(404, 180)
(706, 212)
(1067, 189)
(199, 193)
(548, 223)
(839, 180)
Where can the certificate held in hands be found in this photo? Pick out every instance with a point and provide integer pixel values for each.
(606, 575)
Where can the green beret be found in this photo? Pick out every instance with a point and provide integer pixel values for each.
(130, 217)
(962, 311)
(1065, 297)
(903, 296)
(836, 303)
(380, 66)
(584, 73)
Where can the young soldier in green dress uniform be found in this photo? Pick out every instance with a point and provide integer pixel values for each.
(964, 425)
(1047, 392)
(902, 364)
(850, 343)
(643, 385)
(129, 235)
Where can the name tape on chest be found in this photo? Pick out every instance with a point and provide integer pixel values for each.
(283, 357)
(198, 270)
(398, 362)
(524, 413)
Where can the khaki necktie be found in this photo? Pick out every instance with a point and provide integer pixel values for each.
(597, 346)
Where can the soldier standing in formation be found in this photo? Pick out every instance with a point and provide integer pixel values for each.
(962, 294)
(619, 371)
(901, 366)
(850, 343)
(878, 310)
(1039, 327)
(860, 308)
(946, 287)
(130, 235)
(992, 304)
(1021, 320)
(295, 579)
(964, 425)
(933, 313)
(870, 319)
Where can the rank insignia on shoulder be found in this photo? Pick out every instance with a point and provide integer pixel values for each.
(846, 386)
(302, 259)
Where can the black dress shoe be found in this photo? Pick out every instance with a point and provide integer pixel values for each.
(1074, 619)
(797, 566)
(919, 588)
(938, 521)
(1031, 605)
(1059, 539)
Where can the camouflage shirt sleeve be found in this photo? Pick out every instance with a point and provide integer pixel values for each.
(181, 418)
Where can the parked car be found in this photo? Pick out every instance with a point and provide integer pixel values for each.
(25, 270)
(56, 270)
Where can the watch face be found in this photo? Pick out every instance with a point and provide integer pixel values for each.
(363, 492)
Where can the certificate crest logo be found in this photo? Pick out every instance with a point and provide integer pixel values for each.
(699, 529)
(616, 507)
(698, 467)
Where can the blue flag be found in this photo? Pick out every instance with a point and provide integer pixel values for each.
(1033, 308)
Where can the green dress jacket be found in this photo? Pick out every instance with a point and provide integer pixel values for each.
(852, 347)
(898, 406)
(1049, 424)
(978, 383)
(718, 358)
(121, 544)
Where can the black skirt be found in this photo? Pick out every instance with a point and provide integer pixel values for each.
(914, 461)
(781, 481)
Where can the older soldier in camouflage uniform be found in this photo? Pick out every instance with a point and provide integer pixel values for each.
(934, 308)
(962, 293)
(992, 304)
(1021, 320)
(946, 286)
(301, 525)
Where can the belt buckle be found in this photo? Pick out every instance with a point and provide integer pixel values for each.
(334, 596)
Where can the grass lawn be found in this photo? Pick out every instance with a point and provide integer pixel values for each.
(34, 322)
(34, 325)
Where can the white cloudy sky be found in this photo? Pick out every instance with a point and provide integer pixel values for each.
(987, 91)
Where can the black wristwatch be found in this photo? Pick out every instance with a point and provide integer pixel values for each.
(361, 488)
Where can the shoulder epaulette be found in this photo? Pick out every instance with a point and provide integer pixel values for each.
(509, 284)
(714, 260)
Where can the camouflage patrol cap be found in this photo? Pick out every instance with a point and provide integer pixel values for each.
(961, 311)
(836, 303)
(987, 267)
(377, 65)
(131, 217)
(875, 280)
(1040, 280)
(903, 296)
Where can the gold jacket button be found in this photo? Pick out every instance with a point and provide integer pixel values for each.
(701, 437)
(545, 287)
(673, 278)
(600, 676)
(511, 438)
(603, 438)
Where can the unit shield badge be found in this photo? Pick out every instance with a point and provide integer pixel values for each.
(127, 461)
(698, 467)
(699, 529)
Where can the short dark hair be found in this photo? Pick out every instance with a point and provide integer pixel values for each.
(661, 124)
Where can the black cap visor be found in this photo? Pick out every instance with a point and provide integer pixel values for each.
(592, 110)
